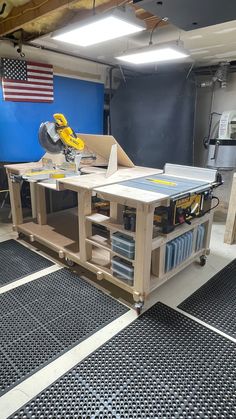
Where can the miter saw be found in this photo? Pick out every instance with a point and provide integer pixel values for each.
(58, 137)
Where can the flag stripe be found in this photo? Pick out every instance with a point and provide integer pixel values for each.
(39, 73)
(39, 64)
(28, 97)
(41, 100)
(38, 87)
(27, 81)
(36, 67)
(42, 80)
(30, 92)
(18, 84)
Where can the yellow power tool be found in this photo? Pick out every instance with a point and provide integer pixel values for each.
(57, 137)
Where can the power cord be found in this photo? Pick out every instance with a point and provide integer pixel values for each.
(164, 19)
(210, 209)
(94, 7)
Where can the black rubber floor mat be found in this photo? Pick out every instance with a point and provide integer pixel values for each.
(215, 302)
(164, 365)
(17, 261)
(44, 318)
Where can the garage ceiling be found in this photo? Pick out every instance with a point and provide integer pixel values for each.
(206, 45)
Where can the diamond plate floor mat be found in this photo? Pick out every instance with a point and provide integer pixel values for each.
(215, 302)
(44, 318)
(164, 365)
(17, 261)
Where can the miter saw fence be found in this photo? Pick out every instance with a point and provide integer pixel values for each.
(57, 137)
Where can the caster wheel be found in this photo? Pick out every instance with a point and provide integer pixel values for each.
(203, 260)
(21, 236)
(70, 262)
(138, 307)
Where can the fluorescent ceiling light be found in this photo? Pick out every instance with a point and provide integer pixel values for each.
(154, 54)
(100, 28)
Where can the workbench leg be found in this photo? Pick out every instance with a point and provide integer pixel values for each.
(116, 212)
(15, 199)
(158, 261)
(208, 232)
(230, 227)
(143, 251)
(33, 199)
(85, 226)
(41, 205)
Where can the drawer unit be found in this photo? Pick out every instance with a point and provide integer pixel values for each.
(122, 269)
(122, 244)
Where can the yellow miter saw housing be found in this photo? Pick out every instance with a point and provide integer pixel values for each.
(58, 137)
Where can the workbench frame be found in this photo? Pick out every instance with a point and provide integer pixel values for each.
(95, 255)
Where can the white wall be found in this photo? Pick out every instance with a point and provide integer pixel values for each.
(222, 100)
(70, 66)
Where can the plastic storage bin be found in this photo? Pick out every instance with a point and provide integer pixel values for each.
(178, 250)
(122, 269)
(122, 244)
(200, 237)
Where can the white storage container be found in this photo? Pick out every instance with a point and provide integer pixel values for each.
(122, 244)
(122, 269)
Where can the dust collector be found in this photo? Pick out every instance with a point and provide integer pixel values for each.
(222, 150)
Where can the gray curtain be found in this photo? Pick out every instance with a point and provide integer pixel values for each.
(152, 117)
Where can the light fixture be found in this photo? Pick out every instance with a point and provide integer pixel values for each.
(101, 27)
(154, 54)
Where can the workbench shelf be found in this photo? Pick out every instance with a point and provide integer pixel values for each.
(156, 281)
(105, 244)
(109, 223)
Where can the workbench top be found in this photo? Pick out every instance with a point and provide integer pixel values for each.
(94, 180)
(151, 189)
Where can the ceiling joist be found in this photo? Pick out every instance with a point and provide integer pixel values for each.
(39, 17)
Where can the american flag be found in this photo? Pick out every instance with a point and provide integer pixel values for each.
(26, 81)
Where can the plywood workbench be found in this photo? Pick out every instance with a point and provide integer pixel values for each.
(69, 232)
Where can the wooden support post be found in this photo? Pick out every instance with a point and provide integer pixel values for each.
(15, 198)
(116, 212)
(85, 226)
(33, 199)
(41, 205)
(143, 250)
(158, 261)
(230, 227)
(208, 232)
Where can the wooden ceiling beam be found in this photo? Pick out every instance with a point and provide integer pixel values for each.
(30, 12)
(37, 10)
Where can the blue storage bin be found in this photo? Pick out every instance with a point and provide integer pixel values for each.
(200, 238)
(178, 250)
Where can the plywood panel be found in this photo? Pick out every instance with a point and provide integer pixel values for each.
(101, 144)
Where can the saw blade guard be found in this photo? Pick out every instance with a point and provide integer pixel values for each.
(50, 142)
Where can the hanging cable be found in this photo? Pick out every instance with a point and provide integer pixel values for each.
(164, 19)
(94, 7)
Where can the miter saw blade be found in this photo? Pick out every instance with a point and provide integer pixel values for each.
(49, 138)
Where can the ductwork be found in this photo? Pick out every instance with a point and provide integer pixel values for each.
(221, 76)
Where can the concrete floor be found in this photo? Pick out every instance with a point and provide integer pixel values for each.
(171, 293)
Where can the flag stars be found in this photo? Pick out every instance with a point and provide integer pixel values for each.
(14, 69)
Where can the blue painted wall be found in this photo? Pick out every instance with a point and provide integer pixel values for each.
(80, 101)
